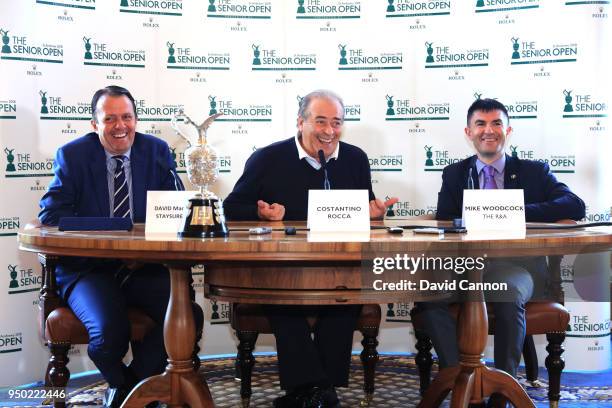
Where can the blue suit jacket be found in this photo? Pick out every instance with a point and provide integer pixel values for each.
(546, 199)
(79, 187)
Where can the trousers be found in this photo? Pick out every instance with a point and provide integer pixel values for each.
(320, 356)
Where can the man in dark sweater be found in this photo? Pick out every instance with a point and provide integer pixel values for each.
(274, 186)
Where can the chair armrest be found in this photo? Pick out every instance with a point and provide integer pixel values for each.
(49, 298)
(33, 224)
(554, 272)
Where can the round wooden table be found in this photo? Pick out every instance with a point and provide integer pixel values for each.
(285, 269)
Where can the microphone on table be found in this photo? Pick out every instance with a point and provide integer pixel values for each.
(470, 180)
(178, 184)
(460, 222)
(326, 185)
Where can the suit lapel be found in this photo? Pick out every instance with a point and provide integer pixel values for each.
(511, 173)
(99, 181)
(139, 178)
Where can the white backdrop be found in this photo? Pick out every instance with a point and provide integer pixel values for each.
(407, 69)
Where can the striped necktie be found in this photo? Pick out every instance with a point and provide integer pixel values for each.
(121, 201)
(489, 178)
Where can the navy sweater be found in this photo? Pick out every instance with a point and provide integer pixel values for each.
(275, 174)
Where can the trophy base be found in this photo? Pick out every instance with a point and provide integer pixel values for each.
(204, 233)
(205, 220)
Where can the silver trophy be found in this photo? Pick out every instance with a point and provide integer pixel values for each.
(205, 216)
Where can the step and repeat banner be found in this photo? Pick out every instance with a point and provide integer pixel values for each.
(407, 70)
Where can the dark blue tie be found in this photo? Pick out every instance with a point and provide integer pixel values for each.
(121, 201)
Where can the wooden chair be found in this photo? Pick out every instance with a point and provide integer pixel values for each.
(59, 328)
(249, 320)
(550, 318)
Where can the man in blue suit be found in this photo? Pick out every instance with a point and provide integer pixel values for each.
(546, 200)
(99, 291)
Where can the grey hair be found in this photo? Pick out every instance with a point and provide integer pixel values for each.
(319, 93)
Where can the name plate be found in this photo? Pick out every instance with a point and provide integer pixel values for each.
(166, 211)
(501, 211)
(338, 211)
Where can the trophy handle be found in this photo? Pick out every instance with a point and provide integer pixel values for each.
(204, 126)
(174, 124)
(201, 128)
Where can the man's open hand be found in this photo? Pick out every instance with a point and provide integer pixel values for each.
(378, 208)
(270, 212)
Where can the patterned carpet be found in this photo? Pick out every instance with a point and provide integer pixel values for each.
(396, 386)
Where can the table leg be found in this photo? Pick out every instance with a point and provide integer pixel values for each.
(471, 382)
(179, 384)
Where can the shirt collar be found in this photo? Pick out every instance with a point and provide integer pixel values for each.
(311, 160)
(109, 157)
(498, 164)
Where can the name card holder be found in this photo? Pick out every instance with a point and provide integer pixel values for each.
(338, 215)
(165, 213)
(494, 213)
